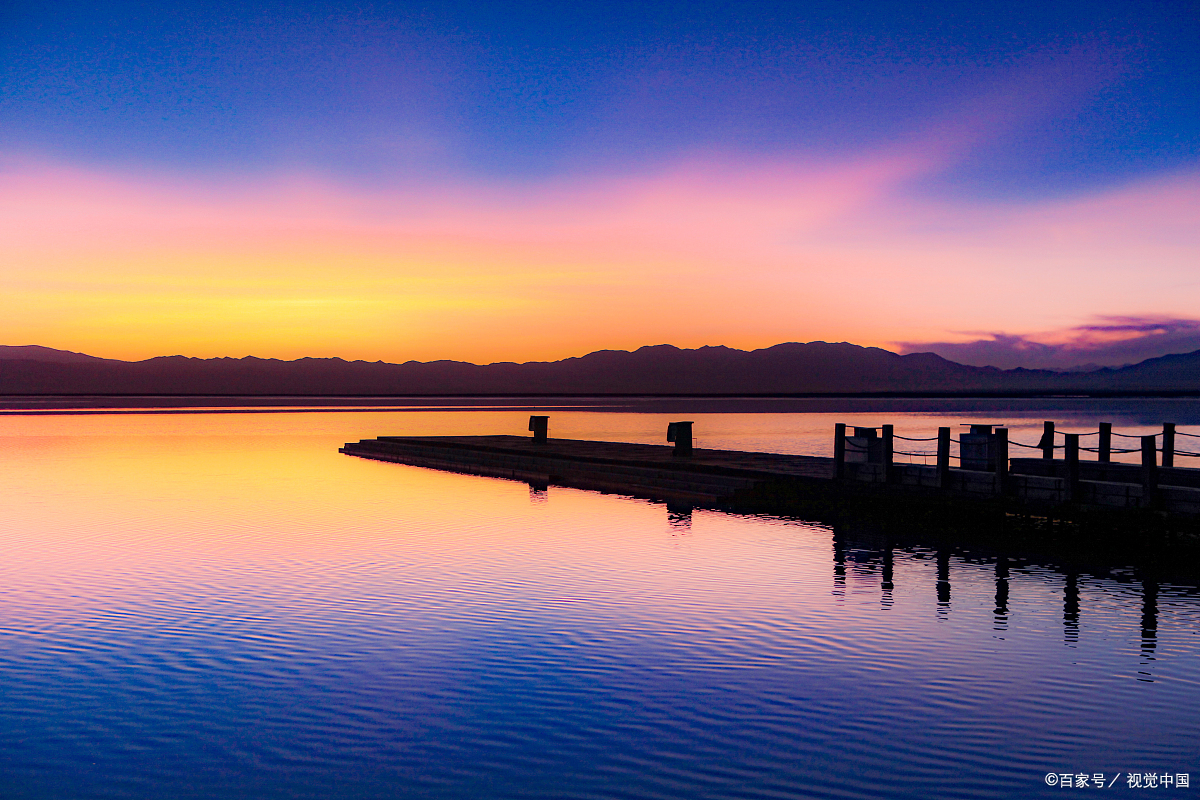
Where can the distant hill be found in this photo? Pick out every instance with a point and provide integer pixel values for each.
(35, 352)
(793, 368)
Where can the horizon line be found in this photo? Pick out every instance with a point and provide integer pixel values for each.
(1079, 369)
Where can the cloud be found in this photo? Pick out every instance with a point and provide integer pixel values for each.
(1109, 342)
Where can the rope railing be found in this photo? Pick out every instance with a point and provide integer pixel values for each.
(855, 448)
(1057, 432)
(1103, 452)
(1079, 471)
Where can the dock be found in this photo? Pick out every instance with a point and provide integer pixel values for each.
(641, 470)
(864, 468)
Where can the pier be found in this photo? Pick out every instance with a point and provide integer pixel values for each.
(975, 469)
(642, 470)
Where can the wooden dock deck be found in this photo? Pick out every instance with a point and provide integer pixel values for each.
(644, 470)
(732, 479)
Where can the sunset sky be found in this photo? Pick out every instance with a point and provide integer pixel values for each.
(1003, 183)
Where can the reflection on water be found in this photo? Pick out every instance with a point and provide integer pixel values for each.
(1149, 618)
(1001, 611)
(539, 493)
(1071, 608)
(943, 583)
(866, 558)
(679, 517)
(197, 608)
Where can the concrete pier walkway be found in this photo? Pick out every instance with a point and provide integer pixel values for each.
(792, 483)
(644, 470)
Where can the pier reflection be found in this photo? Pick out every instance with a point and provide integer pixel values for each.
(1024, 584)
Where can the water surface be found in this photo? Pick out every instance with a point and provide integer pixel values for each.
(223, 606)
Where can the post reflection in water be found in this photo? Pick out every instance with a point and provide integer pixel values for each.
(679, 517)
(943, 583)
(886, 584)
(1071, 608)
(1000, 612)
(839, 565)
(539, 493)
(1149, 618)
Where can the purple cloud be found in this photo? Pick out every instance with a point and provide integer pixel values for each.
(1111, 342)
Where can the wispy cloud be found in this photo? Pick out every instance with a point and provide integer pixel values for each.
(1108, 342)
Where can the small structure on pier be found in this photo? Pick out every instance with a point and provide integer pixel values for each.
(680, 433)
(977, 449)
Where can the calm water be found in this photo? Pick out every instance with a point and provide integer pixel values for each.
(222, 606)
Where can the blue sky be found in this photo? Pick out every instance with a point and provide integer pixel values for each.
(534, 89)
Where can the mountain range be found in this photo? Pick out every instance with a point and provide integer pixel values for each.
(790, 368)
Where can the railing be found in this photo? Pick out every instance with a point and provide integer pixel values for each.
(882, 450)
(1048, 443)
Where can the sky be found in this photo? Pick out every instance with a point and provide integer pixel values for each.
(1015, 184)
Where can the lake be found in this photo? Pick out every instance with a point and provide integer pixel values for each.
(223, 606)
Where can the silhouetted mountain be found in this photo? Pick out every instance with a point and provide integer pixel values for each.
(1180, 371)
(35, 352)
(662, 369)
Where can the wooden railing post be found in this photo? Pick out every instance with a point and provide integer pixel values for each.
(1047, 442)
(1149, 471)
(540, 427)
(1000, 453)
(839, 450)
(1104, 453)
(1071, 455)
(943, 458)
(888, 452)
(1168, 448)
